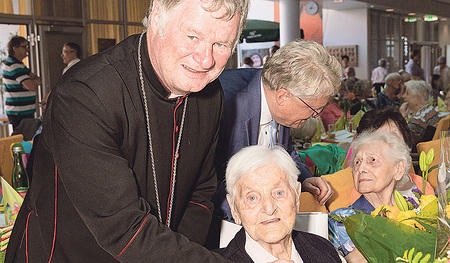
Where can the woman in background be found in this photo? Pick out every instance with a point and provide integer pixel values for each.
(417, 109)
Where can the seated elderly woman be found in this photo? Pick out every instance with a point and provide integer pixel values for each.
(264, 198)
(417, 108)
(388, 97)
(380, 163)
(391, 120)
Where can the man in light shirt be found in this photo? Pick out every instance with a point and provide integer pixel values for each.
(379, 73)
(413, 67)
(444, 71)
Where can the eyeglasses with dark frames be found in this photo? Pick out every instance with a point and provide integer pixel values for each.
(315, 113)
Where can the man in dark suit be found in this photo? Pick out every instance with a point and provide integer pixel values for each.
(297, 83)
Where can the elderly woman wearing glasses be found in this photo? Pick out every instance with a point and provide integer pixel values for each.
(380, 163)
(264, 198)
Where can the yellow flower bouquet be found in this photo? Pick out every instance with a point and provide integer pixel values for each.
(389, 231)
(384, 235)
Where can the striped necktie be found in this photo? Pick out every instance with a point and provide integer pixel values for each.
(273, 133)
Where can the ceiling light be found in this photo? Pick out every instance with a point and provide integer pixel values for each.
(411, 14)
(430, 18)
(410, 19)
(338, 1)
(390, 10)
(444, 19)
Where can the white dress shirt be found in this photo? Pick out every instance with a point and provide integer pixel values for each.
(70, 64)
(445, 76)
(379, 74)
(259, 255)
(264, 122)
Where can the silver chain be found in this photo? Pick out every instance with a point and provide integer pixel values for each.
(175, 158)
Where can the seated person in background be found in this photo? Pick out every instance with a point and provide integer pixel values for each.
(29, 128)
(405, 78)
(380, 163)
(362, 91)
(417, 109)
(306, 131)
(350, 78)
(390, 120)
(264, 198)
(388, 97)
(332, 112)
(436, 89)
(447, 101)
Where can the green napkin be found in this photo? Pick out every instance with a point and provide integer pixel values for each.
(357, 118)
(340, 124)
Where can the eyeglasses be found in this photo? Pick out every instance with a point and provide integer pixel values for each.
(315, 113)
(24, 46)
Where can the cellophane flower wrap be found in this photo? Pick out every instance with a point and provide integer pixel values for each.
(385, 234)
(443, 225)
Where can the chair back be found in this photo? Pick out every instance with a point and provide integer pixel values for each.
(443, 125)
(6, 160)
(342, 183)
(309, 203)
(426, 146)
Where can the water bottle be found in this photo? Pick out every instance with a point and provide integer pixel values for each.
(20, 180)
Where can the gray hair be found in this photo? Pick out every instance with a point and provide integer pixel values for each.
(419, 88)
(253, 157)
(397, 150)
(361, 87)
(305, 69)
(391, 77)
(382, 62)
(232, 6)
(306, 131)
(441, 59)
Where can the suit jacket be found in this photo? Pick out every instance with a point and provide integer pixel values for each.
(240, 123)
(28, 128)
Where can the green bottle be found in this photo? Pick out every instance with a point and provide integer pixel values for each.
(363, 105)
(20, 181)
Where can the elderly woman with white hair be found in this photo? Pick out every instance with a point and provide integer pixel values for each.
(264, 198)
(380, 162)
(388, 97)
(417, 108)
